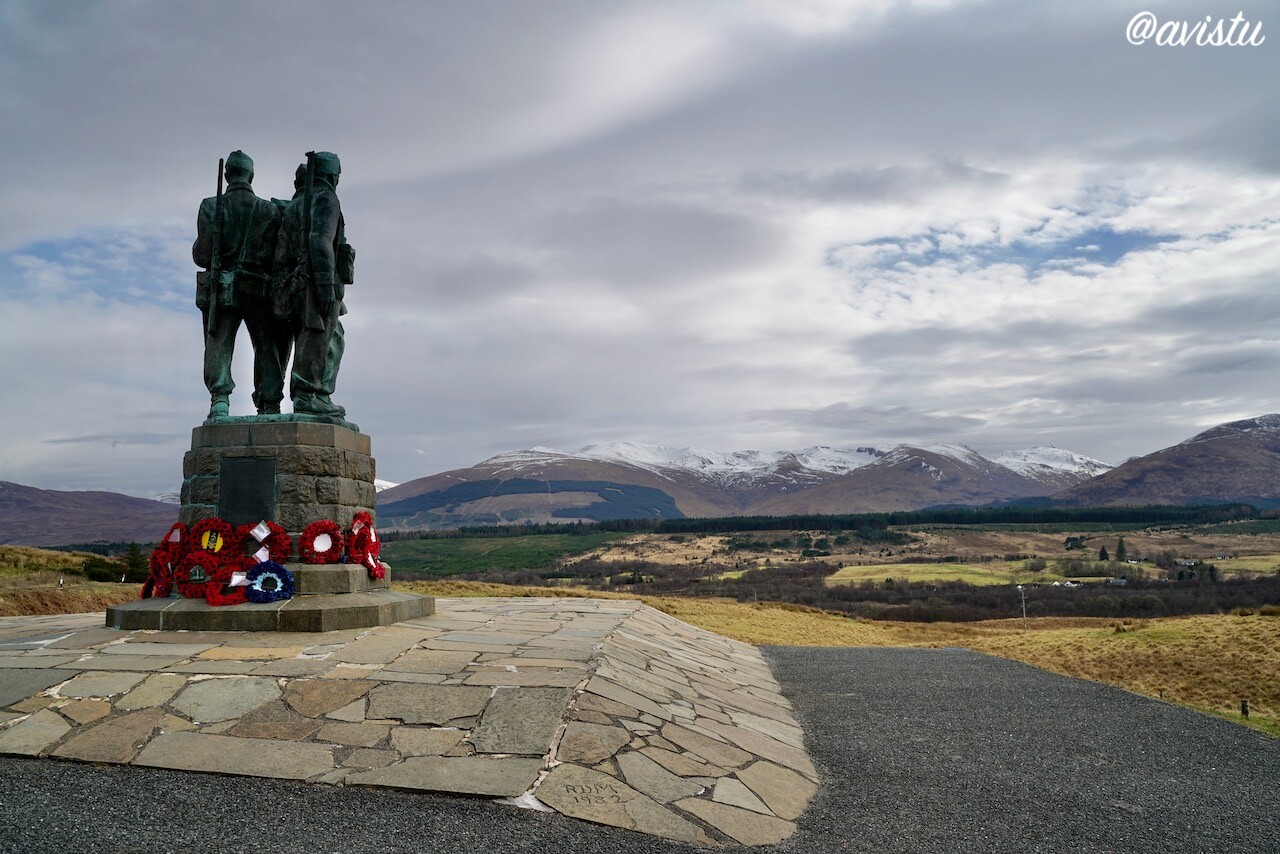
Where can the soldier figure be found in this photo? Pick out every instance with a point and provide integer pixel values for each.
(313, 264)
(237, 288)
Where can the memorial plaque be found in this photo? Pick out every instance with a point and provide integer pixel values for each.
(247, 490)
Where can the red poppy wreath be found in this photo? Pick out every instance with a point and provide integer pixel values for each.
(321, 542)
(212, 535)
(160, 581)
(193, 573)
(224, 594)
(363, 545)
(177, 540)
(277, 541)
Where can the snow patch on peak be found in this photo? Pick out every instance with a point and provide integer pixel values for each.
(380, 485)
(836, 460)
(635, 453)
(518, 460)
(1262, 424)
(1030, 461)
(911, 454)
(958, 452)
(662, 457)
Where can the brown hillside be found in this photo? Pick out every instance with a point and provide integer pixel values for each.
(46, 517)
(1239, 461)
(693, 497)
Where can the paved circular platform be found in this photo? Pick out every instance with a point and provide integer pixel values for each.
(606, 711)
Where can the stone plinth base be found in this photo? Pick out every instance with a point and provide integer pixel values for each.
(322, 612)
(293, 472)
(335, 578)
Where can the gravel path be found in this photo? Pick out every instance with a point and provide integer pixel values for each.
(920, 750)
(949, 750)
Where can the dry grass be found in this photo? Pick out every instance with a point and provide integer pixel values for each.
(1206, 662)
(40, 581)
(661, 548)
(763, 623)
(74, 599)
(19, 560)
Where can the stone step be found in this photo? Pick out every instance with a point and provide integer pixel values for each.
(311, 579)
(320, 612)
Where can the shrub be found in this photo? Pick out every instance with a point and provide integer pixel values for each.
(100, 569)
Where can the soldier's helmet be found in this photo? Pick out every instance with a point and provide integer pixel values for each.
(238, 161)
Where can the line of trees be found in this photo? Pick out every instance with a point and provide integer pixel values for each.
(1149, 515)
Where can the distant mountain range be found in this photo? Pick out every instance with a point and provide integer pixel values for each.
(1239, 461)
(47, 517)
(632, 480)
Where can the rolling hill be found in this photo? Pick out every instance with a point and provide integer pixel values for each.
(1234, 462)
(46, 517)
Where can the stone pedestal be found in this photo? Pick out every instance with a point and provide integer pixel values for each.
(291, 469)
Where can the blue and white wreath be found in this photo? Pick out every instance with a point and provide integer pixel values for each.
(269, 582)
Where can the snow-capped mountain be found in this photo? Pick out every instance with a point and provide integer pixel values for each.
(819, 458)
(744, 474)
(909, 478)
(545, 484)
(383, 485)
(737, 472)
(1054, 467)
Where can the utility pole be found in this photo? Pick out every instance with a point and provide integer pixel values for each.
(1023, 591)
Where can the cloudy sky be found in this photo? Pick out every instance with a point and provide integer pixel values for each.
(754, 224)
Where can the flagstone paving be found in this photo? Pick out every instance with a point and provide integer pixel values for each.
(606, 711)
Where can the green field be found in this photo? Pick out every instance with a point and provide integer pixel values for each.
(1247, 526)
(995, 572)
(1249, 564)
(437, 558)
(1036, 527)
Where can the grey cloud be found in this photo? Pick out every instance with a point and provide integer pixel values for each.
(1236, 315)
(898, 420)
(1222, 360)
(631, 242)
(891, 183)
(118, 439)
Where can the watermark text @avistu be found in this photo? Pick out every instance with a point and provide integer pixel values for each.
(1239, 31)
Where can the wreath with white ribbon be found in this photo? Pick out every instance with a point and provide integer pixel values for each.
(321, 542)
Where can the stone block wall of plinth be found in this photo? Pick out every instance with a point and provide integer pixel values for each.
(293, 470)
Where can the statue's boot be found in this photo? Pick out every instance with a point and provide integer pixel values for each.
(311, 405)
(220, 406)
(269, 409)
